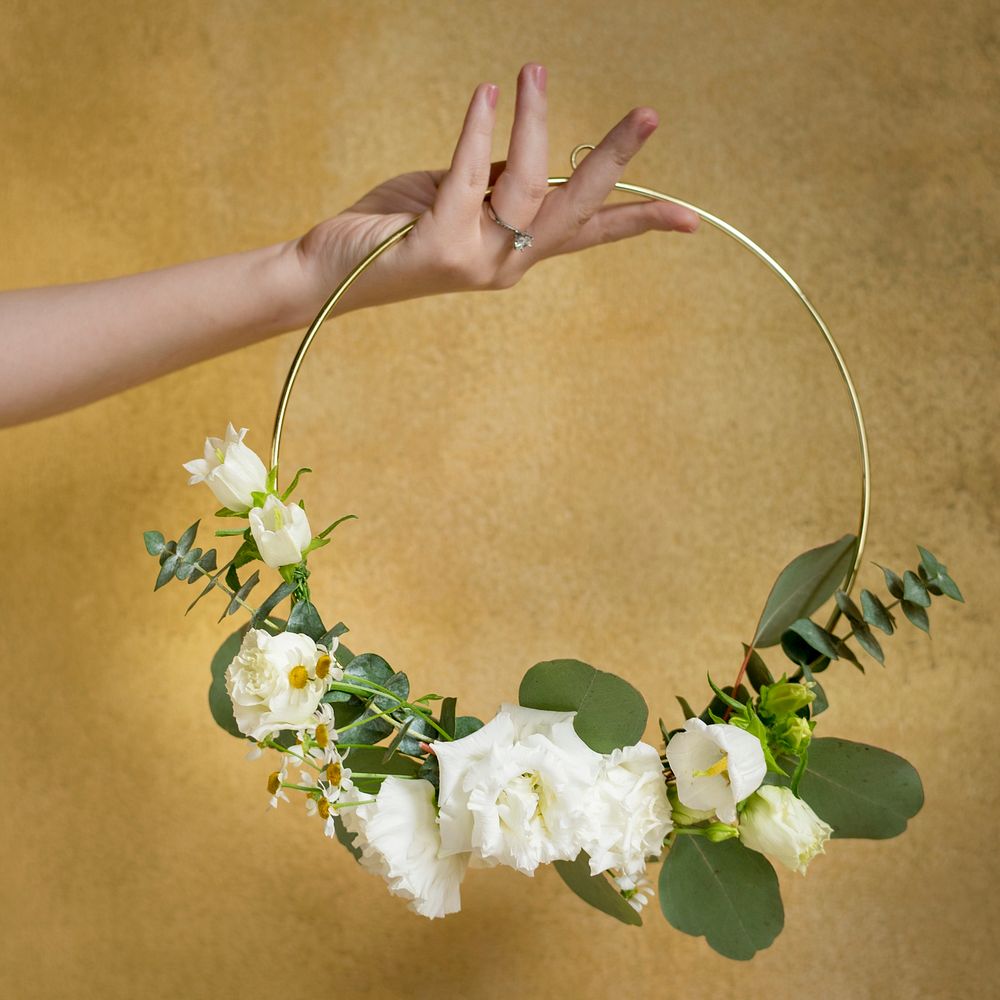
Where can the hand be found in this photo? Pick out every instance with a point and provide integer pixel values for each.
(456, 245)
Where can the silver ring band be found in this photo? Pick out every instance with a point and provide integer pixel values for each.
(522, 240)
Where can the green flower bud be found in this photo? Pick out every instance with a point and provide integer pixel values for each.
(793, 733)
(785, 698)
(717, 832)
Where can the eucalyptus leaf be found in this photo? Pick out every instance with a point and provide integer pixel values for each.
(848, 608)
(930, 563)
(219, 702)
(166, 573)
(914, 590)
(596, 890)
(876, 613)
(206, 564)
(861, 791)
(892, 581)
(272, 601)
(153, 541)
(916, 614)
(466, 725)
(305, 620)
(723, 892)
(447, 715)
(807, 582)
(338, 630)
(820, 640)
(610, 712)
(187, 539)
(239, 598)
(868, 642)
(949, 588)
(800, 652)
(821, 703)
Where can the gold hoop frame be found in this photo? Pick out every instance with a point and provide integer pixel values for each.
(645, 192)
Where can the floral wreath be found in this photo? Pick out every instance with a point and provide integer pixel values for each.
(418, 793)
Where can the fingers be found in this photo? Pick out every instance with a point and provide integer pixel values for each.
(460, 196)
(619, 222)
(522, 187)
(574, 204)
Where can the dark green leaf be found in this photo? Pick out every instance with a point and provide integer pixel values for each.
(861, 791)
(876, 613)
(892, 582)
(447, 717)
(820, 640)
(305, 619)
(802, 586)
(757, 672)
(246, 553)
(848, 654)
(390, 750)
(596, 890)
(430, 771)
(338, 630)
(688, 711)
(916, 614)
(345, 838)
(371, 760)
(272, 601)
(949, 588)
(206, 564)
(799, 651)
(610, 712)
(914, 590)
(239, 598)
(154, 542)
(226, 512)
(187, 539)
(166, 573)
(868, 642)
(233, 578)
(930, 564)
(723, 892)
(466, 725)
(187, 564)
(848, 608)
(219, 702)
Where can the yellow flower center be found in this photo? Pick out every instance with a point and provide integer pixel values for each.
(334, 773)
(322, 736)
(322, 666)
(721, 766)
(323, 808)
(298, 677)
(273, 782)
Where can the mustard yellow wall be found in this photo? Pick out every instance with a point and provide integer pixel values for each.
(610, 461)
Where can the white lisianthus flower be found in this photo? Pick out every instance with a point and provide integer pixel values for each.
(631, 811)
(230, 469)
(281, 532)
(518, 791)
(399, 839)
(276, 682)
(716, 766)
(777, 823)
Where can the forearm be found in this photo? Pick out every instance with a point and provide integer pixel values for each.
(67, 345)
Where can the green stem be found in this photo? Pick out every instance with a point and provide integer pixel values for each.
(371, 687)
(299, 788)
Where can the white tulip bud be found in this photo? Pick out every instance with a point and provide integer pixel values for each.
(230, 469)
(281, 532)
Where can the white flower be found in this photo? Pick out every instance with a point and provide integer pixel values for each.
(716, 766)
(517, 792)
(231, 470)
(784, 827)
(281, 532)
(637, 893)
(399, 839)
(631, 811)
(273, 682)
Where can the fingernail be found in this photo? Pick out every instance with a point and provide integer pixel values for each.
(491, 94)
(541, 75)
(646, 129)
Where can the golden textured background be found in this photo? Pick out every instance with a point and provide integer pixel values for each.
(610, 461)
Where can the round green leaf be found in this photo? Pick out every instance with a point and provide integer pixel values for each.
(596, 889)
(861, 791)
(219, 701)
(723, 892)
(610, 712)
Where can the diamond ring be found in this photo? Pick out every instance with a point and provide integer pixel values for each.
(521, 240)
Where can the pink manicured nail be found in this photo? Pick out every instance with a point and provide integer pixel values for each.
(541, 77)
(491, 94)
